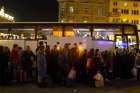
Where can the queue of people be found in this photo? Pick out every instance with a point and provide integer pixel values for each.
(67, 66)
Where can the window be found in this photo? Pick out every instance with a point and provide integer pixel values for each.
(115, 3)
(125, 20)
(116, 20)
(135, 21)
(132, 21)
(113, 20)
(122, 11)
(71, 9)
(86, 10)
(81, 32)
(100, 11)
(125, 3)
(115, 10)
(125, 11)
(135, 12)
(62, 13)
(105, 33)
(135, 4)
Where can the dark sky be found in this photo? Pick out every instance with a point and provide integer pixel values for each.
(32, 10)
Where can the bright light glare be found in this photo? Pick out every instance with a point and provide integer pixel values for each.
(58, 48)
(80, 48)
(103, 30)
(47, 29)
(81, 29)
(7, 16)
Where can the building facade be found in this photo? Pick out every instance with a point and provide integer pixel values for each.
(124, 11)
(114, 11)
(83, 10)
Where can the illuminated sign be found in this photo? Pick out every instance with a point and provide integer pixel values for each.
(4, 15)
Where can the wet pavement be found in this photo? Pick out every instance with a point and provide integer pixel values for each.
(117, 86)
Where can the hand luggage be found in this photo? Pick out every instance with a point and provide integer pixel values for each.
(99, 80)
(72, 74)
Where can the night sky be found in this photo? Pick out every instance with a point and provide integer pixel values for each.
(31, 10)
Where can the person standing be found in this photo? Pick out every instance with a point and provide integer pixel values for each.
(66, 64)
(6, 64)
(27, 62)
(3, 66)
(41, 64)
(15, 60)
(90, 68)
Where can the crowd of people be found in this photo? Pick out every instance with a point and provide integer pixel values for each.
(68, 66)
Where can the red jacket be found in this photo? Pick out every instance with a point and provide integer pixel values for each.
(14, 56)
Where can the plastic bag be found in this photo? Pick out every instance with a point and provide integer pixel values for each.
(98, 76)
(72, 74)
(99, 83)
(134, 72)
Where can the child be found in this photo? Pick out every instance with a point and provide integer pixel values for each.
(99, 80)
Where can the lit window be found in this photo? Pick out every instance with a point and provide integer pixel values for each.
(71, 9)
(85, 21)
(62, 20)
(125, 3)
(124, 20)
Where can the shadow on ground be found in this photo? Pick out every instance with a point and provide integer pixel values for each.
(115, 86)
(122, 83)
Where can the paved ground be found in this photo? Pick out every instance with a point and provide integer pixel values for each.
(118, 86)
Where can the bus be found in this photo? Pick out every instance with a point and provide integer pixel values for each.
(103, 36)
